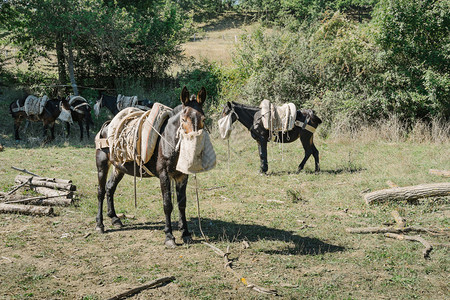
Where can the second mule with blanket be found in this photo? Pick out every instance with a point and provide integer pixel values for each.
(305, 124)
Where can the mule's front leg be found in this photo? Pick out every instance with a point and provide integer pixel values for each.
(168, 207)
(181, 199)
(315, 154)
(101, 159)
(262, 147)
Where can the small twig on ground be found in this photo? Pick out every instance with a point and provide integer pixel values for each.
(228, 266)
(416, 238)
(154, 283)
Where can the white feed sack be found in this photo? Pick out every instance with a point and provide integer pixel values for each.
(196, 153)
(225, 126)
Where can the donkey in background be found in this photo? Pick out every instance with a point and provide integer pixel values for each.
(250, 117)
(51, 111)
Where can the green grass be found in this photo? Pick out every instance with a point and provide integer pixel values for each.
(299, 248)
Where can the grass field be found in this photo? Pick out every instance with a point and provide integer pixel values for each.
(298, 245)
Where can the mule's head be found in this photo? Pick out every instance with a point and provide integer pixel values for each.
(229, 109)
(310, 115)
(192, 115)
(66, 114)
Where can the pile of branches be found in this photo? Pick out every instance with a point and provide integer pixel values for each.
(46, 193)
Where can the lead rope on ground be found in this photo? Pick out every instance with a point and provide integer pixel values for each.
(198, 209)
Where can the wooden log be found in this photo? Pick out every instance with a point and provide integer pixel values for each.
(416, 238)
(26, 209)
(51, 183)
(154, 283)
(51, 192)
(409, 193)
(49, 179)
(56, 202)
(443, 173)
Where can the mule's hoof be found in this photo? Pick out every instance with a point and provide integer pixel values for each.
(187, 240)
(100, 229)
(117, 223)
(170, 244)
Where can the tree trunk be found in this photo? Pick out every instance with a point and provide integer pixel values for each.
(61, 58)
(409, 193)
(71, 70)
(26, 209)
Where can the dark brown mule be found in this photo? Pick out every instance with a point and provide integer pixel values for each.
(188, 117)
(250, 117)
(81, 112)
(50, 113)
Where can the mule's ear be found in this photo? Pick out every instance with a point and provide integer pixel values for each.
(201, 96)
(184, 96)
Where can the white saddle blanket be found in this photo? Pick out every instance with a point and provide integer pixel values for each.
(34, 106)
(278, 118)
(126, 101)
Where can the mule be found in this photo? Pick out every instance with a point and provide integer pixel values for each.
(81, 113)
(188, 117)
(52, 110)
(110, 102)
(250, 117)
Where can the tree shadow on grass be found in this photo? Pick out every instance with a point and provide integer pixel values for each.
(217, 230)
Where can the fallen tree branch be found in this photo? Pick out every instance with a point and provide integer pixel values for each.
(26, 209)
(154, 283)
(416, 238)
(366, 230)
(24, 171)
(409, 193)
(227, 263)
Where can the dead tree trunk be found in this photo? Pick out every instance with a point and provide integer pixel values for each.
(409, 193)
